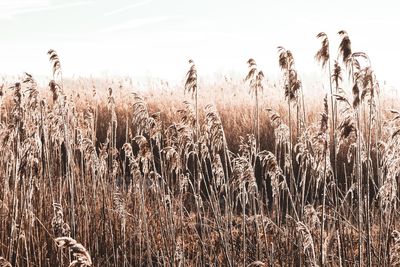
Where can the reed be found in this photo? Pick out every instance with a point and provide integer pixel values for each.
(99, 173)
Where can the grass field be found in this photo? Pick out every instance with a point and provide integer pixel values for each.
(243, 171)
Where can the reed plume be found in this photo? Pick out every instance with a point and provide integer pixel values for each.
(191, 86)
(322, 55)
(395, 249)
(4, 262)
(55, 62)
(345, 48)
(81, 255)
(60, 228)
(337, 75)
(255, 79)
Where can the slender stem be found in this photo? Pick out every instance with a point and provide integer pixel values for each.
(359, 182)
(257, 123)
(197, 115)
(322, 260)
(333, 108)
(367, 181)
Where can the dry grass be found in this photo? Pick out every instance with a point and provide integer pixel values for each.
(215, 177)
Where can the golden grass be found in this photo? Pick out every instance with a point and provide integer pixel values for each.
(214, 177)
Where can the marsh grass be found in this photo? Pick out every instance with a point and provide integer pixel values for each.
(218, 177)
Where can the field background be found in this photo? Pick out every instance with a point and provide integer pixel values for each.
(126, 170)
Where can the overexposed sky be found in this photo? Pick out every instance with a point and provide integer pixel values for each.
(157, 37)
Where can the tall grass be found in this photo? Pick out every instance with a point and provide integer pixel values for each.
(123, 177)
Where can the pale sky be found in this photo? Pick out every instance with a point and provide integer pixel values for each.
(157, 37)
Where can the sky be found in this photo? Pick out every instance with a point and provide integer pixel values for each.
(156, 38)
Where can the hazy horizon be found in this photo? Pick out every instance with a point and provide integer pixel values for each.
(156, 38)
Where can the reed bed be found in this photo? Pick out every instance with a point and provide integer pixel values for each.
(245, 171)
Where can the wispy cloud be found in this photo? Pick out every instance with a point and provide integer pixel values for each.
(9, 9)
(135, 23)
(125, 8)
